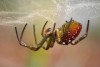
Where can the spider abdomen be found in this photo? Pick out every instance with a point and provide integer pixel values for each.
(73, 32)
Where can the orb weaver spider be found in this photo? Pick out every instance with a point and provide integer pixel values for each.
(64, 35)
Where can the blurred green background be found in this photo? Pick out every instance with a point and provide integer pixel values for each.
(18, 12)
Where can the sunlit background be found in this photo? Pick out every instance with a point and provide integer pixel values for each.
(18, 12)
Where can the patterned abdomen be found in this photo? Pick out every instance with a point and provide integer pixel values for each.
(73, 32)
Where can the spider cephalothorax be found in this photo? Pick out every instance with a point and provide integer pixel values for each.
(64, 35)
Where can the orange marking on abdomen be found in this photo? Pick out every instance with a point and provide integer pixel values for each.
(73, 32)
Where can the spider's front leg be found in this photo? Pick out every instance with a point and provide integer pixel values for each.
(82, 37)
(42, 33)
(25, 45)
(19, 39)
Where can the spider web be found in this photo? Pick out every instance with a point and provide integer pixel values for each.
(56, 11)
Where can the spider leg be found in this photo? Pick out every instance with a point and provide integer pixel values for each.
(50, 43)
(34, 34)
(51, 40)
(53, 36)
(39, 45)
(23, 32)
(19, 39)
(82, 37)
(53, 27)
(71, 19)
(17, 34)
(44, 28)
(22, 43)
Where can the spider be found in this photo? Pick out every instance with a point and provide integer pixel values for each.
(64, 35)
